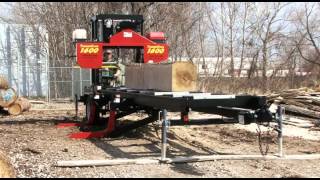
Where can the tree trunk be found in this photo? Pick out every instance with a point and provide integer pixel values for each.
(264, 67)
(243, 39)
(222, 40)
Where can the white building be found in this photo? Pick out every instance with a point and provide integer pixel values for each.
(212, 65)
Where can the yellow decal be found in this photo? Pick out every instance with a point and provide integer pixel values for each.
(155, 50)
(89, 49)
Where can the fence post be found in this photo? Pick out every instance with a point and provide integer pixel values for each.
(72, 80)
(22, 49)
(80, 81)
(48, 74)
(9, 59)
(17, 76)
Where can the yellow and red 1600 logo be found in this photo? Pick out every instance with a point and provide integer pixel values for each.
(89, 49)
(155, 50)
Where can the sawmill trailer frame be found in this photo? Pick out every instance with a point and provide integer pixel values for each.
(126, 31)
(120, 102)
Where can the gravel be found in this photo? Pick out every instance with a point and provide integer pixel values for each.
(34, 145)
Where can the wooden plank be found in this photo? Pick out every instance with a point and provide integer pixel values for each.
(301, 111)
(37, 102)
(174, 94)
(240, 157)
(179, 76)
(82, 163)
(298, 124)
(112, 162)
(296, 120)
(209, 96)
(67, 109)
(132, 90)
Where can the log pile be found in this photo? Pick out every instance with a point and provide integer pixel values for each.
(302, 102)
(9, 100)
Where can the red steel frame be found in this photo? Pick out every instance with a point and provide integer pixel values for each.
(90, 54)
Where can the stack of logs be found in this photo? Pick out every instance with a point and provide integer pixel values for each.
(304, 102)
(10, 101)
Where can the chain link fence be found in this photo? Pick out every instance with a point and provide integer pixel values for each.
(47, 83)
(24, 61)
(65, 82)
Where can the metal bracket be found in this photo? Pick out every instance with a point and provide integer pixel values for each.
(165, 125)
(76, 105)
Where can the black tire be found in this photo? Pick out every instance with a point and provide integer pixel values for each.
(91, 107)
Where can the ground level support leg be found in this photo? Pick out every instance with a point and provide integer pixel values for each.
(98, 134)
(164, 136)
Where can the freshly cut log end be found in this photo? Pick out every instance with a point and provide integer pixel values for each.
(3, 82)
(6, 168)
(184, 76)
(19, 106)
(7, 97)
(15, 109)
(178, 76)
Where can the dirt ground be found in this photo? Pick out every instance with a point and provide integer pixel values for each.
(34, 144)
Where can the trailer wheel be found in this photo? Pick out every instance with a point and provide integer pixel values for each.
(92, 112)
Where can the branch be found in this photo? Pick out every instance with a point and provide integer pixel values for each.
(307, 59)
(310, 34)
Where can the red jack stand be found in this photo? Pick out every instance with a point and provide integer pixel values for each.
(97, 134)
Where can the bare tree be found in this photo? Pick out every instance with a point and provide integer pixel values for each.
(255, 32)
(8, 55)
(310, 33)
(267, 31)
(243, 35)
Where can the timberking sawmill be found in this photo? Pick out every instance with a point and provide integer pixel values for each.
(113, 33)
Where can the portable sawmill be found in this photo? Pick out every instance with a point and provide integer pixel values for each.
(108, 96)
